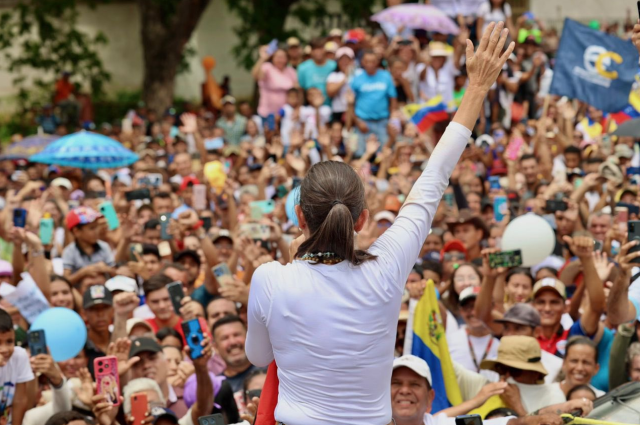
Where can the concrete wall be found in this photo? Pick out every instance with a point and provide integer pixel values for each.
(555, 11)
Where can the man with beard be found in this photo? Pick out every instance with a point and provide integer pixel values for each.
(229, 335)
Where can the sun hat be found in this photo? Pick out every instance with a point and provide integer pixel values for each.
(518, 352)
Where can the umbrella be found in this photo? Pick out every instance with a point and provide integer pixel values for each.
(86, 150)
(417, 16)
(28, 146)
(629, 128)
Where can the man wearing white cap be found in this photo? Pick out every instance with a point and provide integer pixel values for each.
(412, 396)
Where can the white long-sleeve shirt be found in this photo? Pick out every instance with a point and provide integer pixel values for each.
(331, 328)
(60, 402)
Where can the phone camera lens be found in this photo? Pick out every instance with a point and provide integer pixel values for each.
(100, 363)
(100, 370)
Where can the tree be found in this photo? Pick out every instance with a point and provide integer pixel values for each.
(264, 20)
(167, 26)
(41, 35)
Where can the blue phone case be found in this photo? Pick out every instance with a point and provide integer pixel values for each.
(164, 227)
(37, 342)
(499, 207)
(109, 213)
(20, 217)
(194, 336)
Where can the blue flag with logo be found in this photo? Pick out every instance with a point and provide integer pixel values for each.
(594, 67)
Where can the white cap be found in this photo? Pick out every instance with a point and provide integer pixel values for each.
(131, 323)
(385, 215)
(62, 182)
(121, 283)
(414, 363)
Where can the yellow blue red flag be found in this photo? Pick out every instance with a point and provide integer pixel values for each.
(430, 344)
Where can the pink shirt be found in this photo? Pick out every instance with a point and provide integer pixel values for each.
(273, 88)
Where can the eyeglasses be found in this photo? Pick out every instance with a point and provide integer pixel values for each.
(452, 257)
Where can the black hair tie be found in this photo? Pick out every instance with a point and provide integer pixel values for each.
(334, 203)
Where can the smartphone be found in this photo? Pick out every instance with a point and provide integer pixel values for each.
(194, 336)
(199, 196)
(223, 274)
(513, 148)
(155, 179)
(639, 8)
(164, 249)
(505, 259)
(633, 171)
(271, 122)
(95, 194)
(295, 182)
(469, 420)
(216, 419)
(448, 198)
(253, 393)
(634, 235)
(597, 245)
(137, 194)
(622, 216)
(176, 293)
(500, 207)
(494, 182)
(272, 46)
(206, 223)
(139, 407)
(37, 342)
(46, 230)
(555, 205)
(261, 208)
(109, 213)
(256, 231)
(107, 379)
(633, 209)
(19, 217)
(164, 227)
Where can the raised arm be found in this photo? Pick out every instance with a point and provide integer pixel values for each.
(623, 305)
(402, 242)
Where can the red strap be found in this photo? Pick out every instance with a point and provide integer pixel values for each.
(269, 397)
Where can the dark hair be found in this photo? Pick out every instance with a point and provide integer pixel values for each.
(216, 298)
(501, 412)
(581, 340)
(151, 224)
(155, 283)
(369, 52)
(148, 249)
(528, 156)
(162, 195)
(417, 269)
(54, 277)
(294, 91)
(580, 388)
(145, 207)
(552, 270)
(519, 270)
(176, 266)
(166, 332)
(332, 199)
(226, 320)
(250, 376)
(450, 298)
(317, 43)
(6, 323)
(573, 149)
(432, 266)
(63, 418)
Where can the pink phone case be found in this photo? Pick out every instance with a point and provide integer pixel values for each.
(107, 379)
(514, 148)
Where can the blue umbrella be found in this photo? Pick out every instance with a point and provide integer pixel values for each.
(86, 150)
(28, 146)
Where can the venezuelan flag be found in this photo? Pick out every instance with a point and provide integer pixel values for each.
(430, 344)
(425, 115)
(630, 112)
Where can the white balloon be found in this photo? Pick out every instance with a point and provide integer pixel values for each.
(532, 235)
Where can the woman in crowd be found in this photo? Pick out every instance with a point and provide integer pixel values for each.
(63, 294)
(338, 82)
(464, 276)
(580, 365)
(518, 287)
(275, 77)
(495, 11)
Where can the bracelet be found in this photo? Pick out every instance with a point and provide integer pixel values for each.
(37, 253)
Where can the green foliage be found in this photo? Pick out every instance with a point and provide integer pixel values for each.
(264, 20)
(40, 37)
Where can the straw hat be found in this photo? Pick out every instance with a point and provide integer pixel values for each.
(437, 48)
(518, 352)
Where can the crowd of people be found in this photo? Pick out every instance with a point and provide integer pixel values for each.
(541, 340)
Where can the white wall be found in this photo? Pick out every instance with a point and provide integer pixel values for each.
(555, 11)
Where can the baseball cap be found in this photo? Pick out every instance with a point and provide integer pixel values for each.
(384, 215)
(521, 314)
(331, 47)
(223, 233)
(519, 352)
(453, 245)
(293, 42)
(121, 283)
(132, 323)
(335, 32)
(414, 363)
(552, 284)
(62, 182)
(144, 344)
(623, 151)
(187, 253)
(188, 180)
(6, 268)
(97, 294)
(468, 294)
(228, 99)
(81, 216)
(163, 413)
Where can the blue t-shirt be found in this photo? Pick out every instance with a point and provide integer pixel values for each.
(600, 379)
(311, 75)
(372, 94)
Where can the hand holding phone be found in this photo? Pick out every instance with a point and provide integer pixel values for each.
(109, 213)
(107, 378)
(223, 274)
(37, 342)
(176, 293)
(505, 259)
(194, 337)
(19, 217)
(139, 407)
(164, 227)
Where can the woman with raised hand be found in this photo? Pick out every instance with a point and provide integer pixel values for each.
(329, 318)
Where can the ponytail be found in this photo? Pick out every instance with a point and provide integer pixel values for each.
(332, 199)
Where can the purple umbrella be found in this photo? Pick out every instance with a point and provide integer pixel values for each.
(417, 16)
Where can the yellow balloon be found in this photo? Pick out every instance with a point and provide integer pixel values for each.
(214, 172)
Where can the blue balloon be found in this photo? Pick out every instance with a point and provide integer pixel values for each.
(64, 331)
(292, 200)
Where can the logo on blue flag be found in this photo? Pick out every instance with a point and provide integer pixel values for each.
(594, 67)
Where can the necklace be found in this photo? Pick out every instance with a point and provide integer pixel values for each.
(322, 257)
